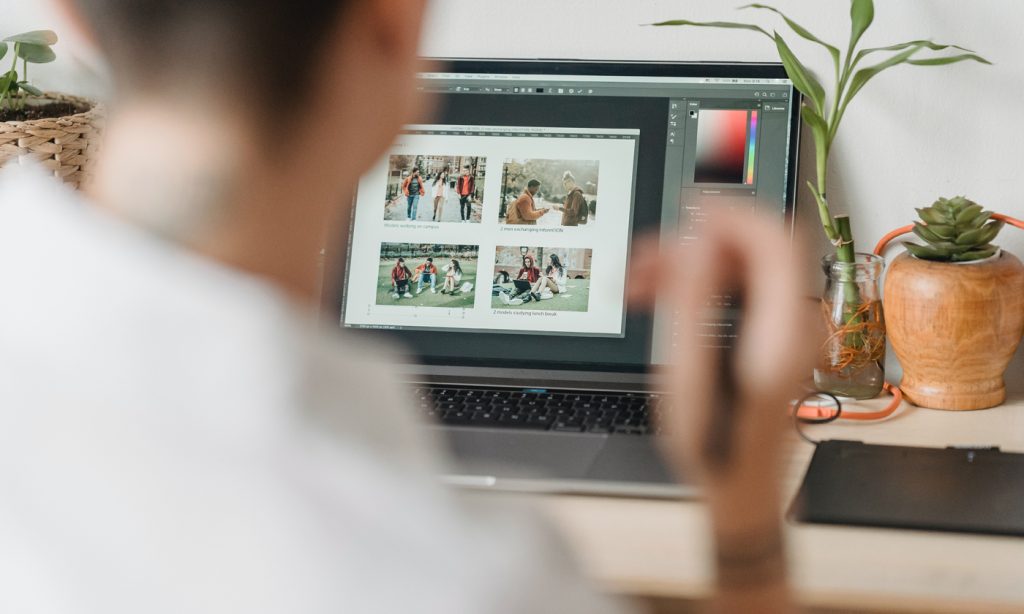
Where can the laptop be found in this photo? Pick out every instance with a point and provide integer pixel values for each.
(494, 243)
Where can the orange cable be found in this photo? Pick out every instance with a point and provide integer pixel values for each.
(812, 412)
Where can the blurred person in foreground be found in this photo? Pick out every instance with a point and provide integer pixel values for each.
(179, 436)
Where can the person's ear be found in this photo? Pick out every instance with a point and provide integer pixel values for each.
(68, 14)
(397, 25)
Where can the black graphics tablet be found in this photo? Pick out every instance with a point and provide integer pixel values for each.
(936, 489)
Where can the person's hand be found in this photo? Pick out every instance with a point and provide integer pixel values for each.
(738, 254)
(744, 254)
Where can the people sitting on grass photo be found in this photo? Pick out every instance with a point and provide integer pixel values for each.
(426, 273)
(452, 277)
(400, 277)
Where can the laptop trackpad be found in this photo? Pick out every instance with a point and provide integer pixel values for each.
(519, 454)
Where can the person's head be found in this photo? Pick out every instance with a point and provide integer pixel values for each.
(466, 170)
(401, 262)
(527, 261)
(455, 265)
(415, 172)
(533, 186)
(244, 101)
(430, 260)
(568, 181)
(555, 262)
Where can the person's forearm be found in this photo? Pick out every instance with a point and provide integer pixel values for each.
(744, 500)
(750, 556)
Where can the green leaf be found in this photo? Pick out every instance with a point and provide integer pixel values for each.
(800, 30)
(3, 50)
(31, 89)
(862, 13)
(952, 59)
(36, 54)
(35, 37)
(926, 44)
(713, 24)
(978, 254)
(926, 252)
(925, 233)
(944, 231)
(802, 78)
(977, 222)
(931, 215)
(9, 82)
(862, 76)
(990, 231)
(969, 213)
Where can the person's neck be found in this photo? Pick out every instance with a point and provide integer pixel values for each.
(198, 176)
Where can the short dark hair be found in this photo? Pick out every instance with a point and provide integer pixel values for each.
(273, 44)
(533, 184)
(430, 259)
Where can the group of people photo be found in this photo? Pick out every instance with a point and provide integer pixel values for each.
(427, 275)
(435, 188)
(549, 192)
(545, 278)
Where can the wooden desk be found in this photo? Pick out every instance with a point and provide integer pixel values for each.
(660, 549)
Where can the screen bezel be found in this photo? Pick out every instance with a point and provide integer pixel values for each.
(455, 368)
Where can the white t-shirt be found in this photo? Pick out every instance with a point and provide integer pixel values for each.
(450, 269)
(177, 437)
(440, 188)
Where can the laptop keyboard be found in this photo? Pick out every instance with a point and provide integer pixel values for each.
(542, 410)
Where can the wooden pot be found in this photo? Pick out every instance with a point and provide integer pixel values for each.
(954, 328)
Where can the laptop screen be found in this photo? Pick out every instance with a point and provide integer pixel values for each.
(500, 235)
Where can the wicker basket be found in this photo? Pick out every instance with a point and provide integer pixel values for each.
(65, 145)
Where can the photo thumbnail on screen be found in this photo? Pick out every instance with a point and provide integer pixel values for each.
(549, 192)
(542, 278)
(435, 188)
(427, 275)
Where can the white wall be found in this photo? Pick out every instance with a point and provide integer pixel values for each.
(913, 134)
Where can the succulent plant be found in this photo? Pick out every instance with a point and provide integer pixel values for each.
(955, 230)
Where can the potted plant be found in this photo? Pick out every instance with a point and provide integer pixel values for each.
(852, 359)
(955, 308)
(57, 131)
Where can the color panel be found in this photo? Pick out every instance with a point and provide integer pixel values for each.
(751, 148)
(721, 146)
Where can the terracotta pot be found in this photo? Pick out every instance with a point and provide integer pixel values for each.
(954, 328)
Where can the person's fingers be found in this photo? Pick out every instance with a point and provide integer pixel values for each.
(769, 349)
(691, 374)
(644, 269)
(738, 254)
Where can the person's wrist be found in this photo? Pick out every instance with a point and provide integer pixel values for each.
(751, 558)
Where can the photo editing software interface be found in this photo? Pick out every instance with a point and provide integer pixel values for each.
(500, 235)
